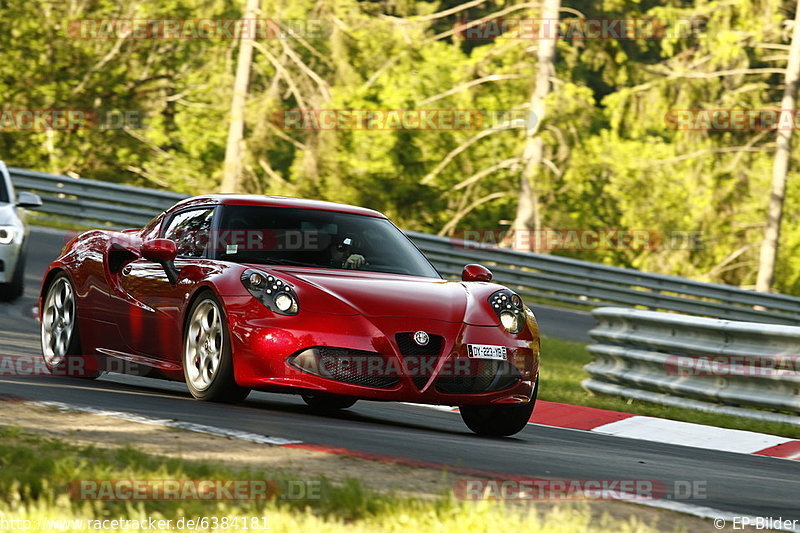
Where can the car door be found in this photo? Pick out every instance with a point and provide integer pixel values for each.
(154, 327)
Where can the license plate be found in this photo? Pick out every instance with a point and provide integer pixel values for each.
(487, 351)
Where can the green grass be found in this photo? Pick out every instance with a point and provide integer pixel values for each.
(562, 372)
(35, 473)
(58, 222)
(532, 301)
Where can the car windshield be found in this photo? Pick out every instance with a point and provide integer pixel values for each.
(316, 238)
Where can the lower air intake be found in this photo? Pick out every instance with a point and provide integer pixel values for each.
(482, 375)
(367, 369)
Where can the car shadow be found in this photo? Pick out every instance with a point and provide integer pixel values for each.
(144, 394)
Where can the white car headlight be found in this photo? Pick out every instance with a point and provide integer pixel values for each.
(510, 321)
(273, 292)
(509, 308)
(7, 234)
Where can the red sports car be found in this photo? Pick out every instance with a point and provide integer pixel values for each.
(232, 293)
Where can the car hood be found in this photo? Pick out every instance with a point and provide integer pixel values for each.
(374, 294)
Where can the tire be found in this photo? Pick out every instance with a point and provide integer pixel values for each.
(60, 339)
(498, 420)
(328, 402)
(13, 289)
(207, 358)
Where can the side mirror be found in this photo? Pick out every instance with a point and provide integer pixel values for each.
(28, 200)
(160, 250)
(164, 252)
(475, 272)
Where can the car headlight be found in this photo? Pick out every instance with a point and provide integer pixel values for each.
(509, 308)
(276, 295)
(7, 234)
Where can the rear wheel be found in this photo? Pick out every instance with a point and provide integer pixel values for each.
(207, 359)
(61, 346)
(328, 403)
(498, 420)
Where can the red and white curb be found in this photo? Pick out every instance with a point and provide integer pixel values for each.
(546, 414)
(664, 431)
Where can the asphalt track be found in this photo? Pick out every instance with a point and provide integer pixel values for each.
(732, 484)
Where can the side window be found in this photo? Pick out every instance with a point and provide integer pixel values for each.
(191, 231)
(151, 228)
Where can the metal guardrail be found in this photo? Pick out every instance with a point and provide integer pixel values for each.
(658, 357)
(535, 276)
(94, 201)
(540, 276)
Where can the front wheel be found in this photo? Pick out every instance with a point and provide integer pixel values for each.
(61, 347)
(328, 403)
(207, 359)
(498, 420)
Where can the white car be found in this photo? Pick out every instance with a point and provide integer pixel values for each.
(13, 235)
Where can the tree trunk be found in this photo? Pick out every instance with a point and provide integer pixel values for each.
(528, 217)
(769, 246)
(232, 171)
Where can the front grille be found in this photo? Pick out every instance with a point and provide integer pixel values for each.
(425, 356)
(407, 345)
(482, 375)
(358, 372)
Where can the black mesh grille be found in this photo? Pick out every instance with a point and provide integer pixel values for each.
(426, 355)
(420, 381)
(358, 370)
(329, 351)
(407, 345)
(483, 375)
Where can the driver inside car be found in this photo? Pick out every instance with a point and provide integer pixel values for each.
(342, 255)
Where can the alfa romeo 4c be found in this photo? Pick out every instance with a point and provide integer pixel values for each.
(333, 302)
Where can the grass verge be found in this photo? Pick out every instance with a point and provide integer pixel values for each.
(36, 472)
(562, 372)
(65, 223)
